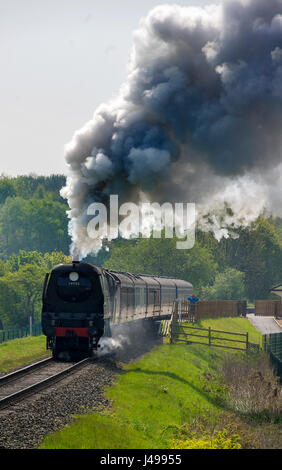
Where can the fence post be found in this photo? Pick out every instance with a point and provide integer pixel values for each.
(209, 335)
(173, 319)
(171, 333)
(30, 325)
(247, 341)
(179, 311)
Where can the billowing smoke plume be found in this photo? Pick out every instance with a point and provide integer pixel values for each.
(200, 114)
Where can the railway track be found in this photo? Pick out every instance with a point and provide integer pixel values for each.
(24, 382)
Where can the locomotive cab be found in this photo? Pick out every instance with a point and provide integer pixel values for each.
(73, 308)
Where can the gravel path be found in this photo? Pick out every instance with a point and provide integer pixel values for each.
(24, 425)
(264, 325)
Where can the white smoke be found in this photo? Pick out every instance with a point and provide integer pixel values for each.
(108, 345)
(198, 120)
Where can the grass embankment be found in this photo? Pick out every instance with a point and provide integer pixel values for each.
(232, 325)
(173, 397)
(161, 390)
(17, 352)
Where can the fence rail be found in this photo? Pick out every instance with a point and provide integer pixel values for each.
(211, 309)
(165, 328)
(16, 333)
(183, 333)
(178, 332)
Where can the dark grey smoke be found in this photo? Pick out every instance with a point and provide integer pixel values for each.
(201, 107)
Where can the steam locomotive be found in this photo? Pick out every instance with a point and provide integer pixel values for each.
(82, 302)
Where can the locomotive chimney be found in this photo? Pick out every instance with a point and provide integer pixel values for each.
(76, 256)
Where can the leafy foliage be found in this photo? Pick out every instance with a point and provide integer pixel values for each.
(7, 189)
(160, 257)
(257, 252)
(26, 186)
(33, 221)
(21, 285)
(33, 224)
(218, 440)
(228, 285)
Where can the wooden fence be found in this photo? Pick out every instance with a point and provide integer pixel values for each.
(218, 338)
(212, 309)
(178, 332)
(271, 308)
(165, 325)
(183, 311)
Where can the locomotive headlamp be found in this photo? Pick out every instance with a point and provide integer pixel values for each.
(73, 276)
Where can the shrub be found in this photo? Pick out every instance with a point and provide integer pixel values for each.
(217, 440)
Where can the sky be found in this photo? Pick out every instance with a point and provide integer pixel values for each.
(59, 60)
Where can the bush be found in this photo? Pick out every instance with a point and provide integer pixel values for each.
(218, 440)
(254, 390)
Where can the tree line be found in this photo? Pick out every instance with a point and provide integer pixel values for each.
(244, 266)
(34, 237)
(32, 215)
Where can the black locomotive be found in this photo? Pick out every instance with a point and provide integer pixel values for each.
(82, 302)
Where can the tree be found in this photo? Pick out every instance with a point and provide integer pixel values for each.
(20, 295)
(3, 268)
(29, 280)
(52, 259)
(11, 312)
(26, 186)
(21, 285)
(33, 225)
(7, 189)
(160, 257)
(228, 285)
(257, 251)
(17, 260)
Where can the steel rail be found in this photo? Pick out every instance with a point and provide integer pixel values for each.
(25, 370)
(41, 385)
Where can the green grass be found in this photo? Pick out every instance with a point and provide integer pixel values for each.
(17, 352)
(154, 397)
(235, 324)
(232, 325)
(157, 392)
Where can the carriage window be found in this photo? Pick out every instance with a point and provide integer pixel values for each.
(73, 288)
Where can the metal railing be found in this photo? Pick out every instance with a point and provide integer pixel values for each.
(272, 344)
(16, 333)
